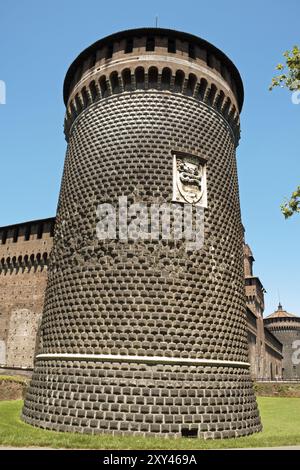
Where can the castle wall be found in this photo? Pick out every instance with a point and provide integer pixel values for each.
(24, 252)
(288, 337)
(265, 352)
(273, 356)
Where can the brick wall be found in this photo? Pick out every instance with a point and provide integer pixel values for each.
(24, 252)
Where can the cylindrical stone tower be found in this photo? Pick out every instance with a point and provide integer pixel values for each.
(145, 336)
(286, 327)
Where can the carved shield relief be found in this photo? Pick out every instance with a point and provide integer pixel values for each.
(189, 179)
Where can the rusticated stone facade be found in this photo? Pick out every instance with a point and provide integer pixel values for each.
(26, 248)
(145, 337)
(24, 252)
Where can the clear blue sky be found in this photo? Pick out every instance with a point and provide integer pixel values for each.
(38, 41)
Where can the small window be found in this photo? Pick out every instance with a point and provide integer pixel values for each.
(27, 233)
(94, 60)
(150, 44)
(79, 73)
(129, 46)
(109, 51)
(52, 229)
(4, 237)
(16, 234)
(192, 53)
(40, 231)
(172, 46)
(210, 61)
(223, 72)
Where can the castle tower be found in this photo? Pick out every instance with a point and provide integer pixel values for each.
(286, 327)
(146, 336)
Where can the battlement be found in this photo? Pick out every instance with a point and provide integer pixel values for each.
(154, 59)
(26, 245)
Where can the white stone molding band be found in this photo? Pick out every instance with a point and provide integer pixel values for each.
(142, 359)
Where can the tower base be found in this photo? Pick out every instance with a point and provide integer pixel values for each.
(142, 399)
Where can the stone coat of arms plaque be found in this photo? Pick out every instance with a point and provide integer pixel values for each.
(189, 179)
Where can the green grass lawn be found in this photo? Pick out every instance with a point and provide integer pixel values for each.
(14, 378)
(280, 416)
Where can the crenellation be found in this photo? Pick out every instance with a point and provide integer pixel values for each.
(161, 48)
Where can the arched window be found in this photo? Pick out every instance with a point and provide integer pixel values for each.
(152, 77)
(179, 80)
(78, 104)
(140, 78)
(212, 94)
(93, 90)
(126, 79)
(103, 86)
(220, 100)
(191, 84)
(227, 107)
(114, 82)
(166, 78)
(232, 112)
(202, 88)
(85, 97)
